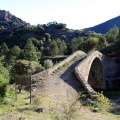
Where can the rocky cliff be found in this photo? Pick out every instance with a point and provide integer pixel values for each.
(9, 21)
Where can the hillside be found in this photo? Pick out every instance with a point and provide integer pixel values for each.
(105, 26)
(18, 31)
(14, 31)
(9, 21)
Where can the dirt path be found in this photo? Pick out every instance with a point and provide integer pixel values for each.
(63, 85)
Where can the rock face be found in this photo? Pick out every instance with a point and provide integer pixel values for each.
(5, 15)
(9, 21)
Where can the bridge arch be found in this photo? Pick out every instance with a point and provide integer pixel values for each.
(95, 77)
(90, 72)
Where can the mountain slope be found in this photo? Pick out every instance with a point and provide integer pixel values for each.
(104, 27)
(9, 21)
(14, 31)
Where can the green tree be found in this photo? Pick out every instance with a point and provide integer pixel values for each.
(102, 42)
(30, 52)
(4, 49)
(4, 72)
(39, 29)
(60, 46)
(4, 81)
(23, 67)
(12, 55)
(3, 87)
(76, 44)
(64, 46)
(90, 44)
(47, 35)
(15, 51)
(39, 55)
(112, 34)
(35, 41)
(117, 43)
(48, 64)
(41, 42)
(54, 50)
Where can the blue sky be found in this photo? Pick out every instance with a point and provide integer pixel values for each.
(77, 14)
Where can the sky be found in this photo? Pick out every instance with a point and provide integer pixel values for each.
(77, 14)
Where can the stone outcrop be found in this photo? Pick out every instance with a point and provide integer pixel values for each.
(9, 21)
(5, 15)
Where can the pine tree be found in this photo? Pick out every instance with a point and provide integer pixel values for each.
(4, 49)
(60, 46)
(15, 51)
(54, 50)
(64, 46)
(12, 55)
(30, 52)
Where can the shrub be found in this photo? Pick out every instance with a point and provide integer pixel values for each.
(3, 86)
(102, 102)
(25, 67)
(37, 102)
(48, 63)
(41, 101)
(4, 72)
(63, 37)
(47, 35)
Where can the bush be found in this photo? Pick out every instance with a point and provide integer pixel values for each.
(41, 101)
(37, 101)
(25, 67)
(102, 102)
(4, 72)
(48, 63)
(47, 35)
(4, 81)
(3, 86)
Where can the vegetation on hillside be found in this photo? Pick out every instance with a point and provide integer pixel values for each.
(33, 45)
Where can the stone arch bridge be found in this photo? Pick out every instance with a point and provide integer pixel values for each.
(93, 71)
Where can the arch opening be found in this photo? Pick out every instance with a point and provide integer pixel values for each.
(95, 77)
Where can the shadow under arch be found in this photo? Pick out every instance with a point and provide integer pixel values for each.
(95, 77)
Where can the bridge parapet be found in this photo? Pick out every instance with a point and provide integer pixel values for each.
(55, 67)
